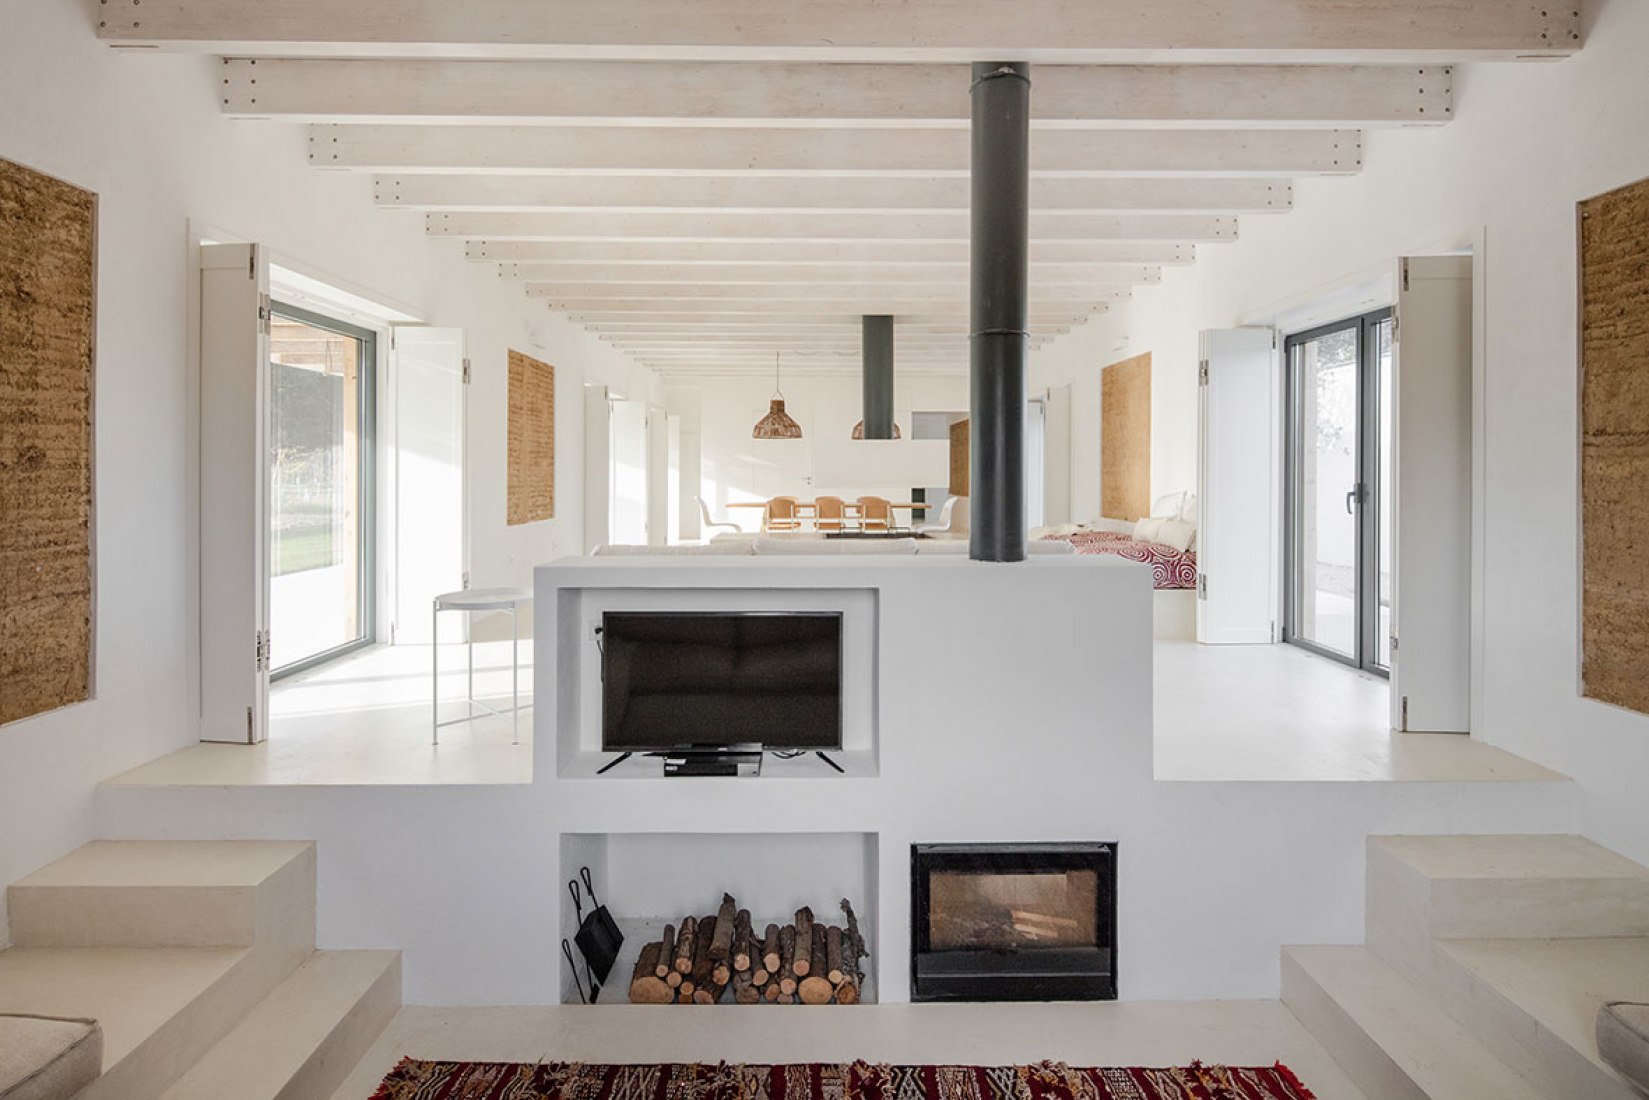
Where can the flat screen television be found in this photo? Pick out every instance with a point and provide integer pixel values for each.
(682, 680)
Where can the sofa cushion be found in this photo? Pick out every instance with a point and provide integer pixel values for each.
(1623, 1040)
(48, 1057)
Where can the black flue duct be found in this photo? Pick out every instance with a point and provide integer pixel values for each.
(878, 377)
(998, 328)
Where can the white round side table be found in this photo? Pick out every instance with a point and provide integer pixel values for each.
(471, 600)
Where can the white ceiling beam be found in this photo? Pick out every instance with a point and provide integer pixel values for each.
(658, 194)
(846, 327)
(619, 93)
(688, 373)
(1072, 31)
(851, 307)
(1041, 318)
(952, 290)
(715, 226)
(720, 151)
(699, 342)
(846, 254)
(860, 275)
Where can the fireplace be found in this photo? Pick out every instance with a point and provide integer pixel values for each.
(1013, 922)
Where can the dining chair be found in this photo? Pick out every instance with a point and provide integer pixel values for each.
(708, 523)
(829, 514)
(781, 515)
(875, 513)
(953, 518)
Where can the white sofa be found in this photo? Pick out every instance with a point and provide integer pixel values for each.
(812, 544)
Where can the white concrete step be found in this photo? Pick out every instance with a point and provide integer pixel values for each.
(1535, 1002)
(1391, 1039)
(305, 1037)
(141, 893)
(1505, 887)
(161, 1007)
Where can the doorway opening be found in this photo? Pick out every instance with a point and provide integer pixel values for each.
(1338, 491)
(321, 501)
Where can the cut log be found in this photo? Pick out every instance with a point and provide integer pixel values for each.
(721, 940)
(770, 949)
(787, 998)
(833, 956)
(803, 962)
(667, 953)
(673, 979)
(745, 991)
(759, 975)
(702, 963)
(847, 993)
(744, 949)
(686, 990)
(787, 959)
(685, 945)
(815, 989)
(853, 949)
(770, 992)
(646, 988)
(721, 973)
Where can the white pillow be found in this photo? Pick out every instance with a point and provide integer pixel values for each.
(1176, 534)
(1168, 507)
(1147, 529)
(1188, 509)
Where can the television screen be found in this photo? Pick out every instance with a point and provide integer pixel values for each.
(676, 680)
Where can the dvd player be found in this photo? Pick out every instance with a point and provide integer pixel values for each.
(712, 763)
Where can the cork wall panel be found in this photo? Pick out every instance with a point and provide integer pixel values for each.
(531, 489)
(48, 280)
(1125, 439)
(960, 459)
(1614, 449)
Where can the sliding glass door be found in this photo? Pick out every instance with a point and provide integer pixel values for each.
(320, 474)
(1338, 515)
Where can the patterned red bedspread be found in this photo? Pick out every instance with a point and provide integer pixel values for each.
(1170, 568)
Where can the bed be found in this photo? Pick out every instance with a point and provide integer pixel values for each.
(1170, 568)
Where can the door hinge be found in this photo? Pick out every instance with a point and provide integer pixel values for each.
(261, 651)
(465, 581)
(1405, 726)
(265, 314)
(1405, 266)
(1202, 586)
(1202, 373)
(249, 725)
(466, 372)
(1396, 325)
(1273, 631)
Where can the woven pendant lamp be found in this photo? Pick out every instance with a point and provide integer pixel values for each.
(777, 424)
(859, 431)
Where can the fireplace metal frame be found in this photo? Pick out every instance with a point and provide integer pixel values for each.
(1026, 974)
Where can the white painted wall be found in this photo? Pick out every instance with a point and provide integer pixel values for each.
(1527, 143)
(143, 131)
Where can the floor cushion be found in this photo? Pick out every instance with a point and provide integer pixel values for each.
(1623, 1040)
(47, 1057)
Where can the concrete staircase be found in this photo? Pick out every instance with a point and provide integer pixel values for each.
(198, 957)
(1486, 961)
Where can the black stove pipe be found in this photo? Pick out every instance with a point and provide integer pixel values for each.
(877, 336)
(998, 315)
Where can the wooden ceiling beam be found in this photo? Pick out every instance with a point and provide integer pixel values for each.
(626, 93)
(715, 227)
(721, 151)
(858, 275)
(818, 254)
(660, 194)
(1071, 31)
(1042, 317)
(956, 290)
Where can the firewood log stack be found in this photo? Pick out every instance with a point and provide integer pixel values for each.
(803, 962)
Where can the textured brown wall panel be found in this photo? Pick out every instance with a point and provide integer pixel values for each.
(1614, 455)
(1125, 438)
(48, 281)
(531, 440)
(961, 459)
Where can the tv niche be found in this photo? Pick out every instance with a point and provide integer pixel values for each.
(711, 691)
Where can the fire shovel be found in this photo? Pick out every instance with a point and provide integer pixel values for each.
(598, 937)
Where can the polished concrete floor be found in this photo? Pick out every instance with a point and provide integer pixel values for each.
(1278, 712)
(364, 719)
(1110, 1033)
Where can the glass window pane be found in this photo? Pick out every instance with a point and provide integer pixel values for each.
(315, 465)
(1325, 536)
(981, 909)
(1385, 495)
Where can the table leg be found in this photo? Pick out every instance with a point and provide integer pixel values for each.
(469, 633)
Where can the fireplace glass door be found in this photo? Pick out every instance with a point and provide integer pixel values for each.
(1013, 922)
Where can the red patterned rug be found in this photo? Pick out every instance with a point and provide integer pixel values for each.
(418, 1080)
